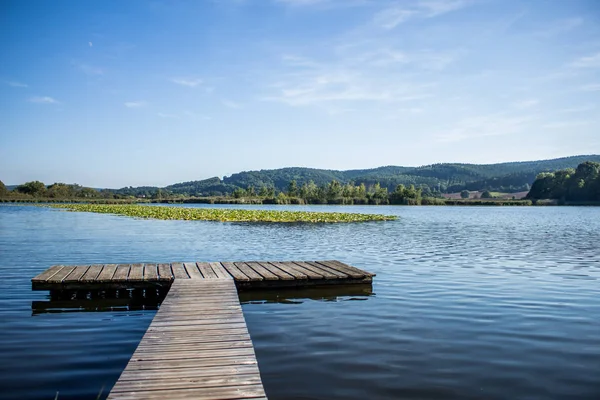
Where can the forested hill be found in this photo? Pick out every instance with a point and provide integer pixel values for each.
(444, 178)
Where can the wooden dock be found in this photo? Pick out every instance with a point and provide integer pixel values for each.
(197, 346)
(247, 275)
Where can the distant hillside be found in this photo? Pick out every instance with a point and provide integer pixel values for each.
(443, 178)
(432, 180)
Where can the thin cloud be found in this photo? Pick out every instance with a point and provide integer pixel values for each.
(565, 124)
(326, 4)
(592, 61)
(231, 104)
(189, 82)
(391, 17)
(434, 8)
(168, 116)
(483, 126)
(593, 87)
(17, 84)
(43, 100)
(585, 108)
(91, 70)
(135, 104)
(527, 103)
(560, 27)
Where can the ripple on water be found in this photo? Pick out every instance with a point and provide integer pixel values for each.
(468, 303)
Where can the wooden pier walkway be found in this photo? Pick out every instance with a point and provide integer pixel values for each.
(197, 346)
(251, 274)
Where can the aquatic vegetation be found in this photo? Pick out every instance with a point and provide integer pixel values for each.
(224, 215)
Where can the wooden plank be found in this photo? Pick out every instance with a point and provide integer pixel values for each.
(255, 392)
(188, 372)
(163, 383)
(136, 273)
(195, 346)
(262, 271)
(220, 271)
(49, 273)
(107, 273)
(92, 273)
(121, 273)
(336, 273)
(59, 276)
(77, 273)
(192, 270)
(165, 273)
(150, 272)
(249, 272)
(294, 273)
(178, 271)
(348, 267)
(326, 274)
(353, 272)
(308, 272)
(207, 270)
(235, 271)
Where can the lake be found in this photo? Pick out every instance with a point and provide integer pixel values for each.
(468, 302)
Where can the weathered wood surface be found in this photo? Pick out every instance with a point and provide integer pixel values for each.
(247, 275)
(197, 347)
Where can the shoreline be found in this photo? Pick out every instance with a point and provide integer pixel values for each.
(296, 201)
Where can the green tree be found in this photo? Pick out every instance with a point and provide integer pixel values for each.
(464, 194)
(263, 192)
(60, 191)
(293, 188)
(33, 188)
(3, 189)
(250, 192)
(486, 195)
(334, 190)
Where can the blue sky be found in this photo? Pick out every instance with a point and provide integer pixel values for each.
(115, 93)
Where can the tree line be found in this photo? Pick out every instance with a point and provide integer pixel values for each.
(579, 185)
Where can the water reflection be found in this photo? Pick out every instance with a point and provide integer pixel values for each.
(150, 299)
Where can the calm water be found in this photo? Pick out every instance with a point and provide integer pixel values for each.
(468, 303)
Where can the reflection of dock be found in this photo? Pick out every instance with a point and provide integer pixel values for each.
(198, 344)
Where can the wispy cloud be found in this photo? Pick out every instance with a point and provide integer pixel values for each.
(394, 15)
(566, 124)
(190, 114)
(189, 82)
(483, 126)
(591, 61)
(327, 4)
(17, 84)
(168, 116)
(231, 104)
(527, 103)
(592, 87)
(559, 27)
(588, 107)
(43, 100)
(355, 76)
(434, 8)
(91, 70)
(135, 104)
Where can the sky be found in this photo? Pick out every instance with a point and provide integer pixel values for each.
(128, 93)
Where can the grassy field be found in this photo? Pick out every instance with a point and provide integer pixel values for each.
(223, 215)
